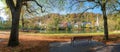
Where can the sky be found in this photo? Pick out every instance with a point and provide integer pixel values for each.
(56, 10)
(75, 10)
(2, 12)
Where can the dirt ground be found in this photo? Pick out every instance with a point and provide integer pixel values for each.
(29, 43)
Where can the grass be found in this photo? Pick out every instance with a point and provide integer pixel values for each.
(63, 34)
(70, 34)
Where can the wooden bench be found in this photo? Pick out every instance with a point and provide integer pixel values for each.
(73, 39)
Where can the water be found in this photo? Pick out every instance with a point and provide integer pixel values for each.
(59, 32)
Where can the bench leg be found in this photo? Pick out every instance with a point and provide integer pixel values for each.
(89, 42)
(72, 43)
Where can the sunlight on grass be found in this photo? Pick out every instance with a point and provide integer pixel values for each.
(71, 34)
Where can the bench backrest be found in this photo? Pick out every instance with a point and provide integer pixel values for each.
(81, 38)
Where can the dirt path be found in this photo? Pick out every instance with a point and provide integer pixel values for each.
(28, 43)
(83, 46)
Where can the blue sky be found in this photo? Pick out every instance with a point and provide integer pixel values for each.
(66, 10)
(95, 10)
(75, 9)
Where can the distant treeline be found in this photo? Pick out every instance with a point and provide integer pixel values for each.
(88, 22)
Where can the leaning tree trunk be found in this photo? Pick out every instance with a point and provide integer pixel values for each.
(14, 35)
(106, 37)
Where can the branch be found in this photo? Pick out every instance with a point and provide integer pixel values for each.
(88, 9)
(118, 2)
(10, 4)
(31, 11)
(52, 3)
(77, 1)
(39, 5)
(98, 2)
(115, 9)
(19, 5)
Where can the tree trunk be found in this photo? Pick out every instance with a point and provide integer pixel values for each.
(15, 12)
(23, 24)
(106, 37)
(14, 35)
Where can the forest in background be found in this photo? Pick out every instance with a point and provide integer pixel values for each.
(53, 22)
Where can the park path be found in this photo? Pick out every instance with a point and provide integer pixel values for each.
(83, 46)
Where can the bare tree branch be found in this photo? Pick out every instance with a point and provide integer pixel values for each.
(118, 2)
(115, 9)
(77, 1)
(39, 6)
(88, 9)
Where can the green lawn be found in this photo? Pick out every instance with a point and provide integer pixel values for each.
(63, 34)
(71, 34)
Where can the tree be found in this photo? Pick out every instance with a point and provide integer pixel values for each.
(104, 5)
(15, 8)
(15, 12)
